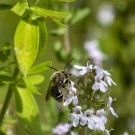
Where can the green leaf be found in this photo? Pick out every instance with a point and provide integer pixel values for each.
(20, 7)
(43, 35)
(6, 79)
(40, 67)
(59, 23)
(5, 6)
(5, 52)
(26, 44)
(30, 86)
(27, 111)
(80, 15)
(36, 79)
(58, 31)
(48, 13)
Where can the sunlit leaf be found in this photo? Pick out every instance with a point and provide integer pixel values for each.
(43, 35)
(30, 86)
(27, 111)
(40, 67)
(26, 44)
(80, 15)
(36, 79)
(20, 7)
(48, 13)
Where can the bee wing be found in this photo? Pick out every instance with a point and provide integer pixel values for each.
(48, 94)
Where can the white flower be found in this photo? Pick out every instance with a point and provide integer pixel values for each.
(75, 116)
(85, 117)
(62, 129)
(83, 69)
(100, 114)
(102, 77)
(125, 133)
(72, 88)
(99, 84)
(74, 133)
(109, 103)
(106, 14)
(94, 122)
(70, 98)
(92, 47)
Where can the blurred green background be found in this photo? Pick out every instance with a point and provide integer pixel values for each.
(112, 25)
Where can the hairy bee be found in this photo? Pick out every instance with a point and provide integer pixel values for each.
(58, 81)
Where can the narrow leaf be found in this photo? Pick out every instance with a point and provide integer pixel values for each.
(59, 23)
(48, 13)
(43, 35)
(27, 111)
(80, 15)
(30, 86)
(26, 44)
(5, 6)
(20, 7)
(36, 79)
(40, 67)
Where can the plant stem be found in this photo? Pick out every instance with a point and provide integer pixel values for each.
(6, 103)
(67, 40)
(84, 131)
(7, 99)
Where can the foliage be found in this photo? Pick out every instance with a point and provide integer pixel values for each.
(99, 31)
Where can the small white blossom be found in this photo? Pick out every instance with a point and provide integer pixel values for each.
(62, 129)
(70, 98)
(110, 108)
(125, 133)
(106, 14)
(83, 69)
(71, 95)
(102, 77)
(74, 133)
(92, 47)
(75, 116)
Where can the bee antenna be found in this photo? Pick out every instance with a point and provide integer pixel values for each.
(52, 68)
(68, 63)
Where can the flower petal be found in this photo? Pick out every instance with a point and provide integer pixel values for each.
(112, 111)
(75, 120)
(95, 86)
(68, 101)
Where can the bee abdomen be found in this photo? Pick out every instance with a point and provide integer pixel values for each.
(59, 97)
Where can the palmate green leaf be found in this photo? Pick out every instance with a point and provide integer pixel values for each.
(48, 13)
(80, 15)
(26, 44)
(30, 86)
(27, 111)
(36, 79)
(20, 7)
(40, 67)
(43, 34)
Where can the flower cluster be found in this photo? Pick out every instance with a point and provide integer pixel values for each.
(86, 98)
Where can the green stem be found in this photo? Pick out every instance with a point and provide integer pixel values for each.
(7, 99)
(84, 131)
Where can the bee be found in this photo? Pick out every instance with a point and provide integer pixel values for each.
(58, 81)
